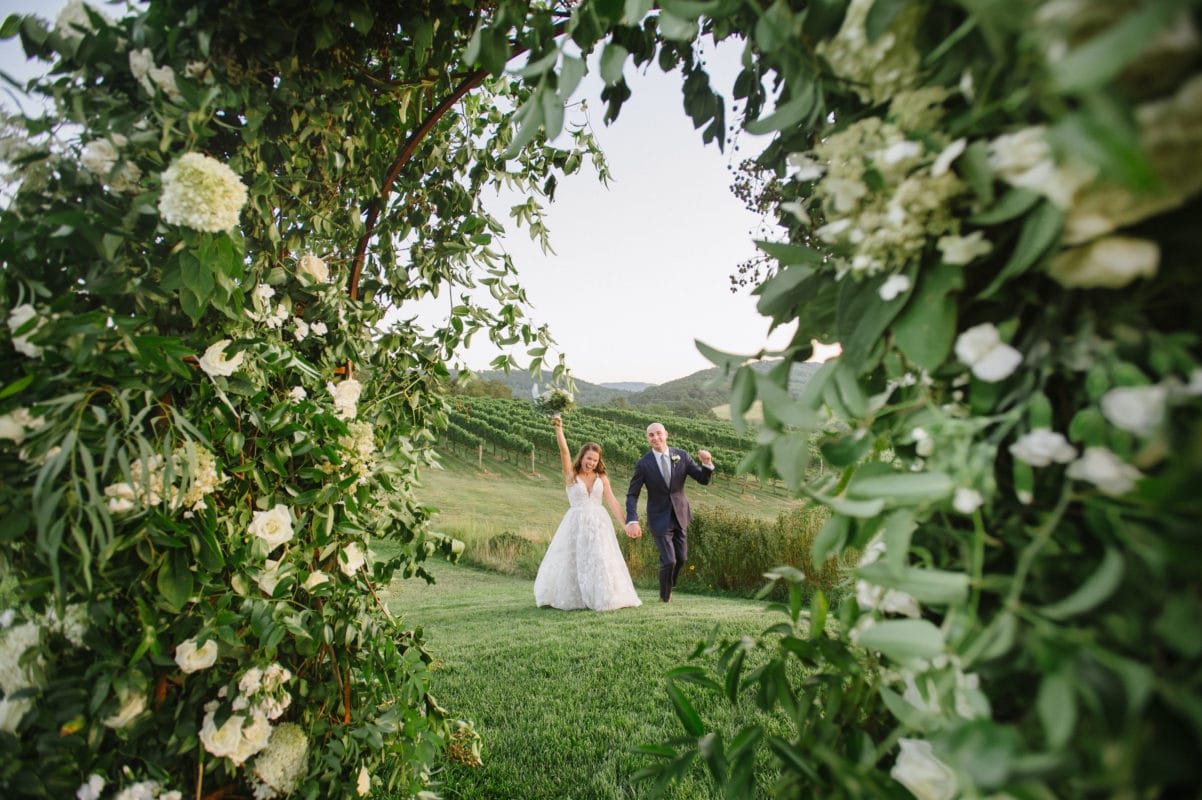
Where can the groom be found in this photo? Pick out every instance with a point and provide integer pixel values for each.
(663, 471)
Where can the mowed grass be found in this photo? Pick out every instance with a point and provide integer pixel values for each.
(560, 699)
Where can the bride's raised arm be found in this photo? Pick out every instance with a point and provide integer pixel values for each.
(565, 455)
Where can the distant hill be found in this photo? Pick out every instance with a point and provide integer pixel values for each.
(692, 395)
(628, 386)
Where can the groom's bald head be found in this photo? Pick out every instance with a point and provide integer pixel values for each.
(657, 436)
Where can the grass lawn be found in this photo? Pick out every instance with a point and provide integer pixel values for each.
(561, 698)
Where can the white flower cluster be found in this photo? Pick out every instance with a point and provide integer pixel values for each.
(73, 22)
(100, 157)
(17, 321)
(200, 192)
(280, 766)
(888, 601)
(142, 66)
(147, 485)
(359, 447)
(876, 70)
(18, 423)
(261, 698)
(981, 348)
(910, 203)
(143, 790)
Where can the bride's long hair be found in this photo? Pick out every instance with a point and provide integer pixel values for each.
(585, 448)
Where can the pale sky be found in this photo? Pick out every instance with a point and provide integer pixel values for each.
(642, 268)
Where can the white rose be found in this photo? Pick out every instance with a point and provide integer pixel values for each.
(215, 362)
(251, 681)
(1105, 470)
(982, 349)
(316, 578)
(254, 738)
(221, 742)
(90, 789)
(1108, 263)
(922, 773)
(352, 559)
(99, 157)
(314, 268)
(192, 658)
(16, 320)
(363, 785)
(133, 703)
(1041, 447)
(269, 578)
(346, 397)
(1138, 409)
(273, 526)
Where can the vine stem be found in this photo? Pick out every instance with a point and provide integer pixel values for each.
(1027, 558)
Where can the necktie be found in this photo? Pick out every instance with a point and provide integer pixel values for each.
(665, 468)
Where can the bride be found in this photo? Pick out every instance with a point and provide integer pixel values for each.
(583, 567)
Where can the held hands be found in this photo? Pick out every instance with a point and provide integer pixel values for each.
(557, 422)
(634, 530)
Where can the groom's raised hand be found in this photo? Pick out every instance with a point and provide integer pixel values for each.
(705, 458)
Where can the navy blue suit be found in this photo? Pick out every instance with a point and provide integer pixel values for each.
(668, 513)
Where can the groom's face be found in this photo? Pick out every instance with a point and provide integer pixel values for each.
(657, 437)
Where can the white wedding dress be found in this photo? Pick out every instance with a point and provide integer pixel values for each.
(583, 567)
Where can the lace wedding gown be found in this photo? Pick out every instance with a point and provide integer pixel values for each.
(583, 567)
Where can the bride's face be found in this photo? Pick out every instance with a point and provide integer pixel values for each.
(588, 462)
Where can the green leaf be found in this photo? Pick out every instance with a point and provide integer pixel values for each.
(926, 328)
(613, 58)
(774, 28)
(902, 488)
(684, 709)
(1094, 64)
(1012, 205)
(789, 254)
(529, 126)
(1041, 230)
(819, 606)
(898, 529)
(1057, 707)
(570, 73)
(790, 457)
(175, 581)
(843, 392)
(786, 115)
(676, 29)
(882, 15)
(938, 587)
(830, 539)
(16, 386)
(636, 10)
(903, 639)
(1096, 589)
(780, 407)
(861, 318)
(552, 113)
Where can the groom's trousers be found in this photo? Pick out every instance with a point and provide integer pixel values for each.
(673, 549)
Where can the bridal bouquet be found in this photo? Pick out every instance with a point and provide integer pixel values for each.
(553, 401)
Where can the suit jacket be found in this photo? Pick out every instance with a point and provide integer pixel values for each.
(664, 501)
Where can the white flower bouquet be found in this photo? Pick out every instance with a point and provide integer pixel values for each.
(553, 401)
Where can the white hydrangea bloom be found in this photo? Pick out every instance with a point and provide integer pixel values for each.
(200, 192)
(876, 70)
(302, 329)
(191, 658)
(318, 328)
(1104, 469)
(273, 526)
(121, 497)
(1137, 409)
(981, 348)
(922, 773)
(1043, 446)
(264, 292)
(216, 363)
(282, 762)
(16, 671)
(74, 17)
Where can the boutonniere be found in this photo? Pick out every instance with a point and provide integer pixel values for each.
(675, 458)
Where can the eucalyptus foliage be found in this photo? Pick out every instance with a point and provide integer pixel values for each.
(212, 407)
